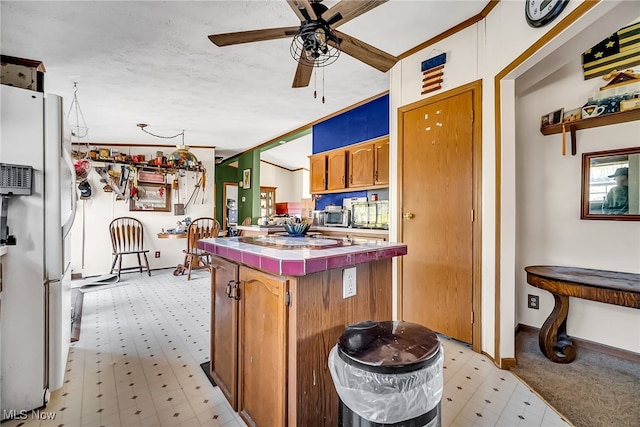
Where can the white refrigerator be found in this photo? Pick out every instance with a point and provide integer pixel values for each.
(35, 318)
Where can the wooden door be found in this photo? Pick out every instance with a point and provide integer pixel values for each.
(361, 165)
(262, 351)
(317, 172)
(224, 329)
(381, 172)
(437, 225)
(336, 170)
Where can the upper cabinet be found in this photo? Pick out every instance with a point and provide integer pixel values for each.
(362, 166)
(381, 162)
(337, 170)
(361, 161)
(317, 173)
(267, 201)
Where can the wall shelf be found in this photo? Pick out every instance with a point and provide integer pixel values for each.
(605, 120)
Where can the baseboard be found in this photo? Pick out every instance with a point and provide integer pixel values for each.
(589, 345)
(507, 363)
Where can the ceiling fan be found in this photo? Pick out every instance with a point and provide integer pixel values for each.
(316, 42)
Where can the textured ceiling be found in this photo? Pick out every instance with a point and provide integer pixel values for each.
(151, 62)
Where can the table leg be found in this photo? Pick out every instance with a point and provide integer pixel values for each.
(554, 341)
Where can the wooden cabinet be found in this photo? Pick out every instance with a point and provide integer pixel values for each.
(381, 162)
(269, 347)
(361, 159)
(224, 328)
(318, 172)
(267, 201)
(262, 351)
(337, 170)
(248, 341)
(362, 166)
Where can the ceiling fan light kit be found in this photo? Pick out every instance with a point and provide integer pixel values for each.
(316, 43)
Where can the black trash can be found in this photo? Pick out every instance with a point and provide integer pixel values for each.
(388, 374)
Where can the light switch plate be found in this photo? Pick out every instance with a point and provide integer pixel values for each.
(348, 282)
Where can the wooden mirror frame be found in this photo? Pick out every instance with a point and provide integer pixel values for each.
(613, 159)
(159, 204)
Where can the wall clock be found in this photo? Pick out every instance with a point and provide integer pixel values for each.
(542, 12)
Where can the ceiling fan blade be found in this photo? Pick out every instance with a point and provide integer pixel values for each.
(252, 36)
(364, 52)
(296, 5)
(350, 9)
(303, 72)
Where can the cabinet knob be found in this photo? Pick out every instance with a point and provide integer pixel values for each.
(408, 215)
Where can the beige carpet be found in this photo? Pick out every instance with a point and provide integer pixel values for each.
(595, 390)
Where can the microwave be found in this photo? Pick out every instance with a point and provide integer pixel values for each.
(337, 217)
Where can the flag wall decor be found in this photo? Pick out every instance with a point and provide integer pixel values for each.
(432, 73)
(618, 52)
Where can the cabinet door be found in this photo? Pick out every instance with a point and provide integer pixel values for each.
(267, 201)
(381, 170)
(337, 170)
(361, 165)
(318, 171)
(224, 329)
(262, 351)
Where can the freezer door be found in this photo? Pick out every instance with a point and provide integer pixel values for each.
(59, 318)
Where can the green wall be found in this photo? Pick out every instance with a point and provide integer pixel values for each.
(225, 173)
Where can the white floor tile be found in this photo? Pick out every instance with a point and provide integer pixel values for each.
(141, 345)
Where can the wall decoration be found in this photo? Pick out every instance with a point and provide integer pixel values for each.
(552, 118)
(618, 52)
(572, 115)
(432, 73)
(246, 179)
(151, 197)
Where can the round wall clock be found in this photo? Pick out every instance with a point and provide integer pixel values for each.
(542, 12)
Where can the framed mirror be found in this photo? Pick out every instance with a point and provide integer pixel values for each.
(611, 185)
(151, 197)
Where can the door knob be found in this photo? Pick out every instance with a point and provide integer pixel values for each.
(408, 215)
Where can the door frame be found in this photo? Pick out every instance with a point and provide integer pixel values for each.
(476, 92)
(224, 202)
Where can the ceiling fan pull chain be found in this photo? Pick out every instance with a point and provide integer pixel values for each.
(323, 85)
(315, 85)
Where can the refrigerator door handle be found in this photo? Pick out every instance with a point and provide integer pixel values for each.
(66, 227)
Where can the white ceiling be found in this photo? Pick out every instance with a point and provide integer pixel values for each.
(151, 62)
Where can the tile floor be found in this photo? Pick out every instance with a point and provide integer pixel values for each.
(142, 341)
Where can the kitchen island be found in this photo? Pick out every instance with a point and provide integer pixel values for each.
(278, 306)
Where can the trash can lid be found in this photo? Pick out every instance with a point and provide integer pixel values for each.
(388, 347)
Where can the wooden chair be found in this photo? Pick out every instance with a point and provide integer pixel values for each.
(194, 258)
(246, 221)
(127, 238)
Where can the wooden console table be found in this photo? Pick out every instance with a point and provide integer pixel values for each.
(611, 287)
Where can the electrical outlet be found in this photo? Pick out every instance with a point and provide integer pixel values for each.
(348, 282)
(533, 301)
(157, 254)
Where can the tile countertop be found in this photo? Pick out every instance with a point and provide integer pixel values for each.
(299, 256)
(346, 230)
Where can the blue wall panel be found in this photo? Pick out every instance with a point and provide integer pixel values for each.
(336, 198)
(365, 122)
